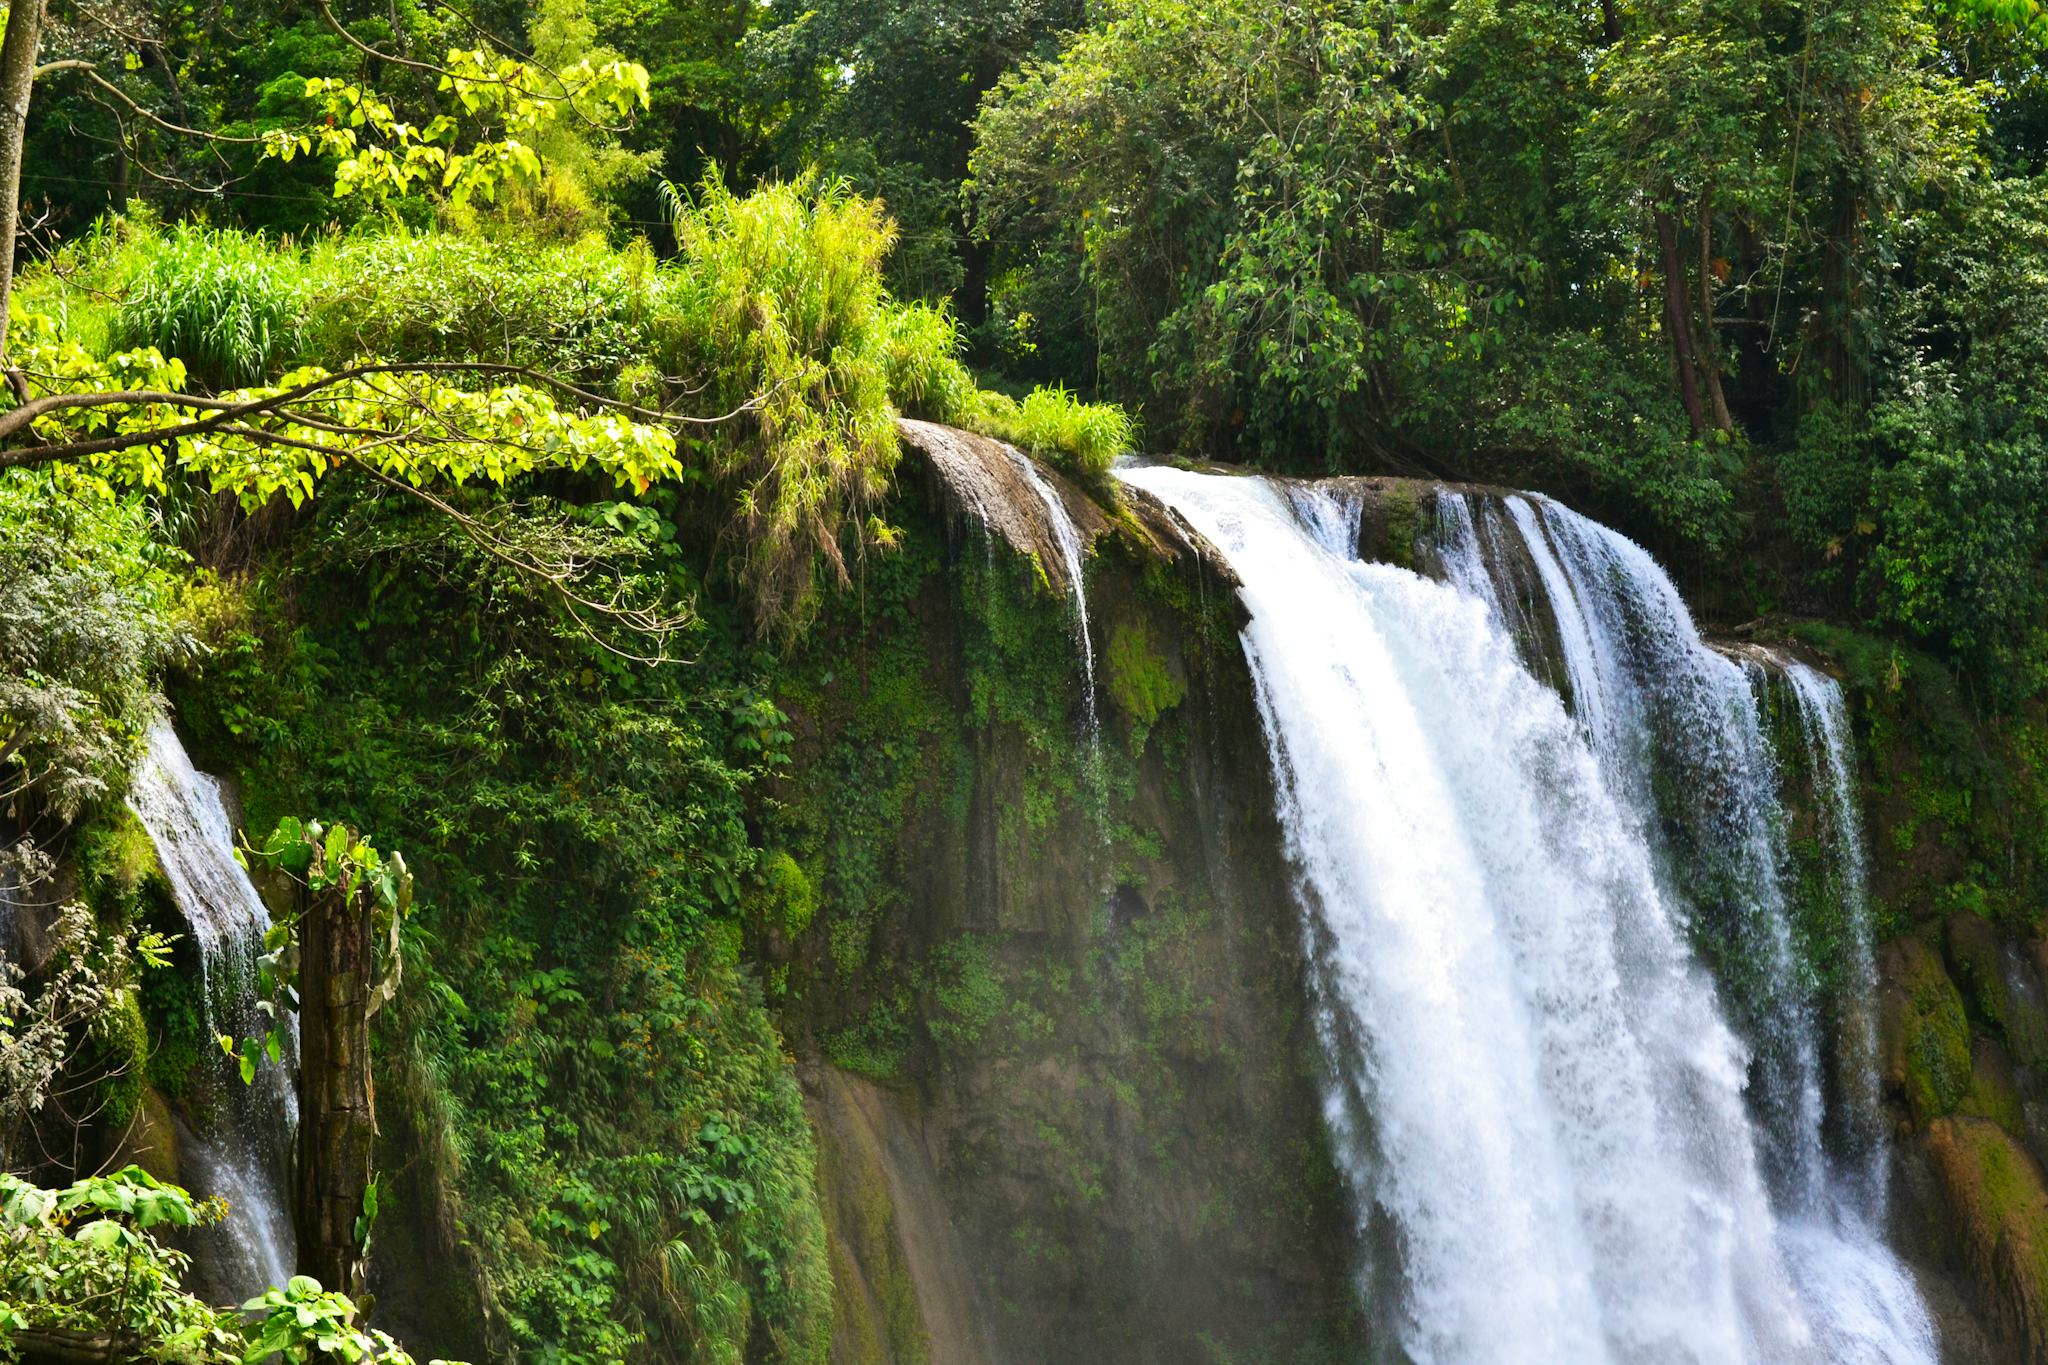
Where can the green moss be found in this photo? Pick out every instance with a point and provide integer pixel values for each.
(2001, 1205)
(1402, 502)
(120, 1055)
(116, 858)
(1934, 1036)
(1140, 678)
(784, 899)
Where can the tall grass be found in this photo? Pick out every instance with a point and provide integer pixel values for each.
(774, 309)
(1081, 438)
(778, 302)
(230, 305)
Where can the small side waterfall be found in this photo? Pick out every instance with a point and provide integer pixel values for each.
(1068, 537)
(243, 1148)
(1824, 724)
(1534, 1086)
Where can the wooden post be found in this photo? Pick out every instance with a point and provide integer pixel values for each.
(337, 1104)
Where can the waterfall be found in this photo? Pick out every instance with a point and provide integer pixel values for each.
(1824, 725)
(1533, 1083)
(1659, 700)
(244, 1146)
(1068, 537)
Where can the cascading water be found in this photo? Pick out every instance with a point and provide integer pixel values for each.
(243, 1154)
(1653, 697)
(1532, 1083)
(1068, 537)
(1824, 725)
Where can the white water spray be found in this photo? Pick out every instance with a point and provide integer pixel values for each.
(1531, 1077)
(1824, 724)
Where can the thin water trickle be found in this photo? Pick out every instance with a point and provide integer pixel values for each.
(243, 1149)
(1067, 537)
(1532, 1078)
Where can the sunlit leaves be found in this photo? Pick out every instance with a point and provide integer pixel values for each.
(506, 106)
(302, 1322)
(85, 1259)
(414, 427)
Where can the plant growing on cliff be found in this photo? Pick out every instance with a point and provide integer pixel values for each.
(82, 1000)
(85, 625)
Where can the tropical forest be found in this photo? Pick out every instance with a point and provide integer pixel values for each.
(1024, 682)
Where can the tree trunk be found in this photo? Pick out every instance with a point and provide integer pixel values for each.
(1678, 321)
(337, 1109)
(1710, 357)
(1837, 347)
(17, 78)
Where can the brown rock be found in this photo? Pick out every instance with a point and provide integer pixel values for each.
(2000, 1203)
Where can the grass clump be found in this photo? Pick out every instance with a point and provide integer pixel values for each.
(1140, 677)
(1081, 438)
(229, 304)
(779, 305)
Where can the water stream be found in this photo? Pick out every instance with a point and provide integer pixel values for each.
(241, 1147)
(1535, 1082)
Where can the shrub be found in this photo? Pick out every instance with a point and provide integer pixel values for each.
(85, 623)
(578, 308)
(779, 306)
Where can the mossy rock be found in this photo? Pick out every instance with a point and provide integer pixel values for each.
(877, 1316)
(2002, 985)
(2000, 1204)
(150, 1139)
(1925, 1032)
(1994, 1092)
(1144, 681)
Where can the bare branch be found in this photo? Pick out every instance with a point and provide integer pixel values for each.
(92, 73)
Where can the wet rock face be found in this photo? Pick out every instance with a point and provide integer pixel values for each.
(1925, 1036)
(1997, 1195)
(984, 478)
(1965, 1077)
(1072, 1029)
(903, 1286)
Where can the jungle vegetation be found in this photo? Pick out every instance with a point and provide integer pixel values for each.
(463, 411)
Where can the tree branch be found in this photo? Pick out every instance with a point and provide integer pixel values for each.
(557, 578)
